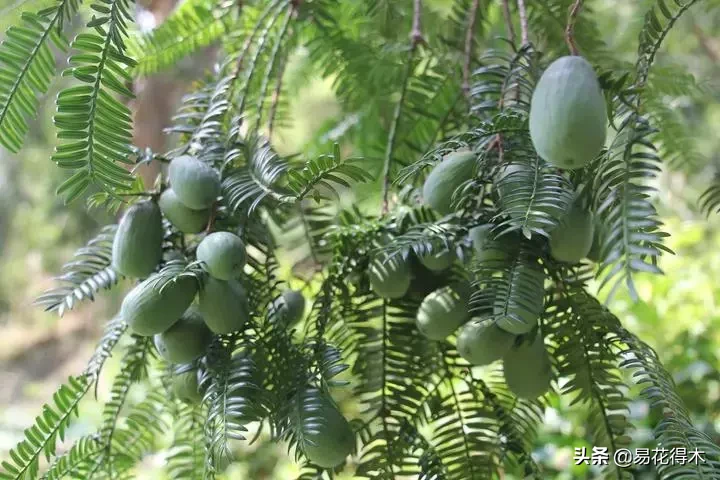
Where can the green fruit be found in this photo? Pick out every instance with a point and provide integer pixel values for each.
(223, 305)
(513, 177)
(528, 370)
(439, 261)
(572, 239)
(481, 342)
(289, 307)
(185, 386)
(488, 250)
(389, 277)
(568, 117)
(137, 247)
(596, 248)
(326, 437)
(195, 183)
(186, 340)
(149, 311)
(443, 311)
(223, 254)
(518, 312)
(183, 218)
(454, 169)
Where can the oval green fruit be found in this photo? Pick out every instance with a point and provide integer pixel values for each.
(438, 261)
(149, 310)
(183, 218)
(572, 239)
(481, 342)
(454, 169)
(224, 255)
(223, 305)
(512, 178)
(443, 311)
(186, 340)
(326, 436)
(389, 277)
(195, 183)
(289, 307)
(185, 385)
(528, 370)
(518, 313)
(491, 251)
(568, 116)
(137, 246)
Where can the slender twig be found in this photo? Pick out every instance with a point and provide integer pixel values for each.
(416, 34)
(469, 37)
(570, 28)
(273, 59)
(254, 62)
(248, 41)
(213, 215)
(710, 50)
(524, 35)
(416, 39)
(276, 94)
(137, 194)
(508, 21)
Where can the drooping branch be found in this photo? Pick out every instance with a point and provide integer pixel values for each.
(274, 56)
(276, 94)
(570, 28)
(508, 21)
(469, 35)
(524, 30)
(416, 38)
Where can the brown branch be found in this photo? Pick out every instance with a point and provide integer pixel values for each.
(469, 36)
(276, 95)
(524, 35)
(711, 51)
(508, 22)
(416, 38)
(570, 28)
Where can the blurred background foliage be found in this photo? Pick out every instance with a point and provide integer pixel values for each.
(678, 314)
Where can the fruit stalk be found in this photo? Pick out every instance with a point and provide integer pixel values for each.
(570, 28)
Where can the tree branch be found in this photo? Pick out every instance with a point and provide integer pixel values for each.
(276, 95)
(524, 35)
(469, 35)
(570, 28)
(508, 21)
(705, 44)
(416, 39)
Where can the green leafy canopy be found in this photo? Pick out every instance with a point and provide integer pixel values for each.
(413, 82)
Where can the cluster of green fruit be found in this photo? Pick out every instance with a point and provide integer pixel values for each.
(184, 312)
(568, 128)
(480, 340)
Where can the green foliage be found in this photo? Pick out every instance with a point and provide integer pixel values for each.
(28, 68)
(192, 26)
(399, 72)
(41, 438)
(89, 273)
(95, 127)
